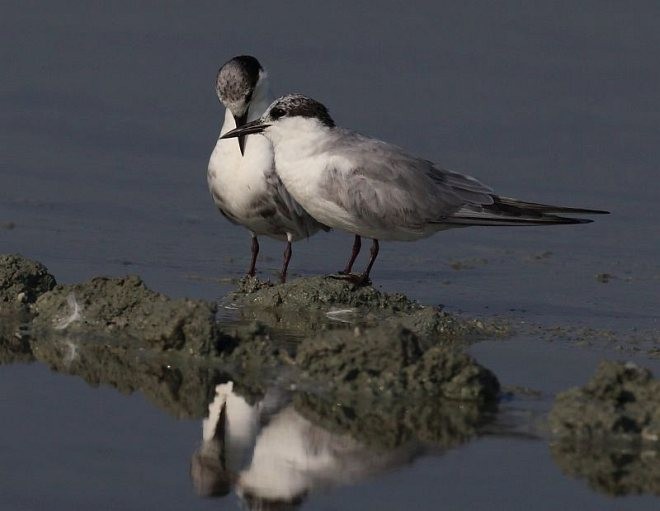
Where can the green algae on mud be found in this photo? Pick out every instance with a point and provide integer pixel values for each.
(608, 432)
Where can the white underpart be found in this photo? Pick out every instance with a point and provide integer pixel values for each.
(75, 313)
(237, 178)
(240, 179)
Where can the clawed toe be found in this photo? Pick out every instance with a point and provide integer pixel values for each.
(357, 280)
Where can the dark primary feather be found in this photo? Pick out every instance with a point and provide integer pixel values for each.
(508, 211)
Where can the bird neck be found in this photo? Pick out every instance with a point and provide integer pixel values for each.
(261, 98)
(304, 136)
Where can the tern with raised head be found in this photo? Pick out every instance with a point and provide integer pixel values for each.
(241, 174)
(374, 189)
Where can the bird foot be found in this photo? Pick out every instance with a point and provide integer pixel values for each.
(251, 283)
(358, 280)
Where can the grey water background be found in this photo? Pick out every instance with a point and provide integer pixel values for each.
(108, 119)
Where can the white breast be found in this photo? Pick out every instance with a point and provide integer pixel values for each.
(237, 181)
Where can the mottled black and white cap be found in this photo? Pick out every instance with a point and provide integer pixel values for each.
(236, 82)
(293, 106)
(298, 105)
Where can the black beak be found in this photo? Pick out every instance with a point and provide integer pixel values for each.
(246, 129)
(240, 121)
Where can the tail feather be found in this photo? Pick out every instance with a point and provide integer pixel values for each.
(508, 211)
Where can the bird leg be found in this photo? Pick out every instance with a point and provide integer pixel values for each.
(255, 252)
(374, 253)
(357, 245)
(287, 258)
(363, 278)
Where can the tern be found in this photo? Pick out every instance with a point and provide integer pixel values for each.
(377, 190)
(241, 176)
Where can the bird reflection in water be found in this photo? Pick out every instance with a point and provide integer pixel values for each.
(273, 457)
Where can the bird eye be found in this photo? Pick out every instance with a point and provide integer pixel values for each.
(276, 113)
(248, 96)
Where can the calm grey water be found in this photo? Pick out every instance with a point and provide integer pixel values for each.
(108, 119)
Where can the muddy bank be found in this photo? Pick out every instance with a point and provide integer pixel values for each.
(619, 405)
(22, 280)
(385, 362)
(307, 305)
(125, 307)
(608, 432)
(349, 340)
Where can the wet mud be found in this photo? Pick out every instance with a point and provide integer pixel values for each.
(608, 432)
(22, 280)
(355, 362)
(619, 405)
(323, 334)
(307, 305)
(389, 363)
(125, 307)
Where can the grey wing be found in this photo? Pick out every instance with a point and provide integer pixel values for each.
(288, 207)
(386, 186)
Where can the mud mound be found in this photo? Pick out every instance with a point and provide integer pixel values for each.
(126, 307)
(621, 404)
(350, 341)
(320, 293)
(308, 305)
(608, 431)
(22, 280)
(393, 363)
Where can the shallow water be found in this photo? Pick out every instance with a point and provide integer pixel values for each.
(109, 119)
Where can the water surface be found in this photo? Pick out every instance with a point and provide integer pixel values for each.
(109, 117)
